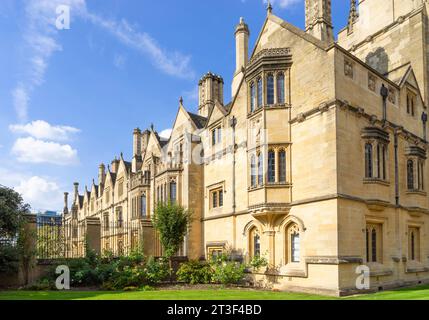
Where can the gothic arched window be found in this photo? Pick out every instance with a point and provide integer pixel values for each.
(282, 166)
(260, 94)
(270, 89)
(254, 243)
(368, 161)
(410, 174)
(293, 244)
(281, 88)
(271, 166)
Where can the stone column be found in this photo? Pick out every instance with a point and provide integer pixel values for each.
(29, 238)
(93, 234)
(271, 238)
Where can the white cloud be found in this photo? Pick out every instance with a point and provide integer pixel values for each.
(42, 193)
(43, 130)
(283, 3)
(166, 134)
(30, 150)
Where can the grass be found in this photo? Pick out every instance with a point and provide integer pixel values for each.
(418, 293)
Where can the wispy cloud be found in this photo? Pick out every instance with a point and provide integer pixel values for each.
(172, 63)
(35, 151)
(41, 42)
(283, 3)
(191, 96)
(43, 130)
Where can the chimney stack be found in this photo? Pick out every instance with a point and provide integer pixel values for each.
(76, 191)
(210, 90)
(101, 174)
(242, 34)
(66, 203)
(318, 20)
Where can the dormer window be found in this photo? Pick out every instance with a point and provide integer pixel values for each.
(411, 102)
(216, 136)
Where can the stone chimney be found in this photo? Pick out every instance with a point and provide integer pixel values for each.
(66, 203)
(210, 90)
(242, 34)
(115, 166)
(318, 19)
(76, 191)
(101, 174)
(137, 144)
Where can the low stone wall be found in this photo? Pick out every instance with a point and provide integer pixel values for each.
(17, 280)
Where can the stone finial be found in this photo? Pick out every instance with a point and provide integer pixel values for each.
(181, 100)
(353, 15)
(269, 8)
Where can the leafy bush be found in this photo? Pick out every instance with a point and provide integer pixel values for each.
(195, 272)
(227, 271)
(157, 270)
(9, 259)
(258, 262)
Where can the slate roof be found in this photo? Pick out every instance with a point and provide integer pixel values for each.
(199, 121)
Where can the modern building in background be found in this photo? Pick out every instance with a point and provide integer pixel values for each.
(318, 163)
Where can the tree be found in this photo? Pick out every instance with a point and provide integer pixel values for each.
(172, 221)
(12, 212)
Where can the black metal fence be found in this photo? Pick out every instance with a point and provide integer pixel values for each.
(121, 238)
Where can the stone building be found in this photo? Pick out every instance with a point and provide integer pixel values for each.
(317, 163)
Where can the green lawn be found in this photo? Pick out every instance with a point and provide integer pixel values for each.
(420, 293)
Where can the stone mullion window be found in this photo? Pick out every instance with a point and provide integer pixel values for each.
(410, 175)
(276, 166)
(374, 245)
(280, 88)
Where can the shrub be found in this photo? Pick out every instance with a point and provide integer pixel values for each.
(226, 271)
(195, 272)
(157, 270)
(9, 259)
(258, 262)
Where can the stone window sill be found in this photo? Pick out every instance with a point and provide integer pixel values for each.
(416, 192)
(376, 181)
(278, 185)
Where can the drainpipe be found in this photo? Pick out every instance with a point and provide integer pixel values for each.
(424, 121)
(384, 92)
(396, 169)
(233, 123)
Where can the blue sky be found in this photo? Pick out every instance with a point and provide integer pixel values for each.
(70, 99)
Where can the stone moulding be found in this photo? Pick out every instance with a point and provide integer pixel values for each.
(375, 133)
(415, 151)
(333, 260)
